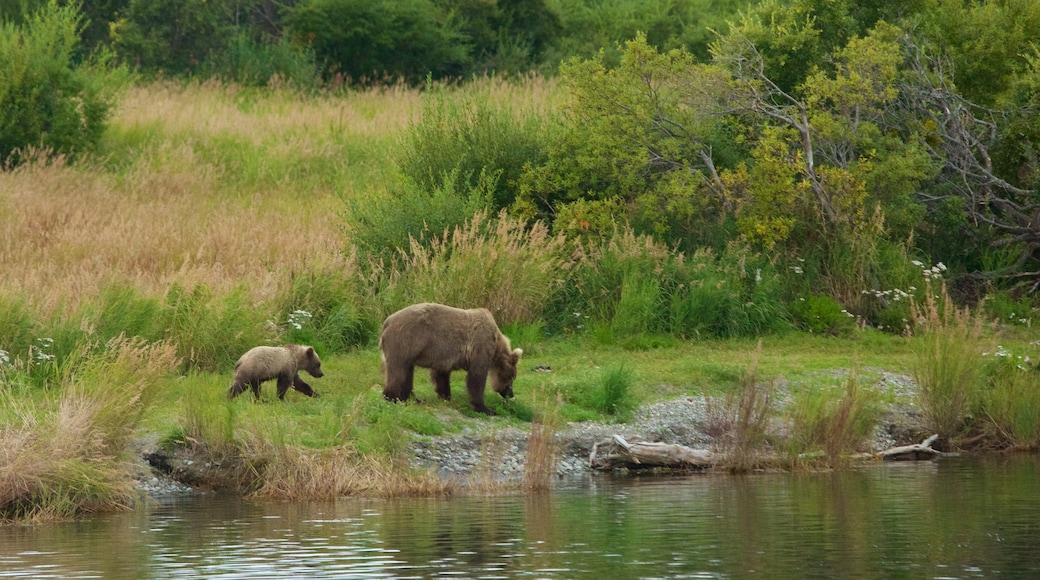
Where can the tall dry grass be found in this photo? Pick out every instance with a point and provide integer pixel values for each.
(208, 184)
(500, 264)
(68, 455)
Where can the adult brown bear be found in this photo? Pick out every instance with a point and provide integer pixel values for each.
(445, 339)
(284, 363)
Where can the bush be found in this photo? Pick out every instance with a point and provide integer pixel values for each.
(210, 334)
(373, 40)
(174, 37)
(822, 315)
(324, 310)
(259, 63)
(462, 135)
(383, 226)
(46, 100)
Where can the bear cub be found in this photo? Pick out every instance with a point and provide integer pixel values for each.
(445, 339)
(284, 363)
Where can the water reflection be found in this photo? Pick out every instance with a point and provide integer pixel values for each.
(958, 519)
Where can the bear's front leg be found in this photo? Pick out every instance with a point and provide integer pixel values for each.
(303, 387)
(475, 381)
(441, 383)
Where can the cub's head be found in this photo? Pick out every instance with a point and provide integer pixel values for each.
(309, 361)
(503, 371)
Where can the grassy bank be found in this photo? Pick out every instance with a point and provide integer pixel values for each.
(215, 219)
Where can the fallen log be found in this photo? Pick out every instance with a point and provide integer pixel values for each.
(618, 453)
(917, 452)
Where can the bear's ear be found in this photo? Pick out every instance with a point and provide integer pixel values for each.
(310, 352)
(516, 355)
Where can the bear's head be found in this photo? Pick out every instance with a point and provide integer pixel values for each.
(503, 372)
(311, 363)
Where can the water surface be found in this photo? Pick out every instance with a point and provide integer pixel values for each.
(956, 518)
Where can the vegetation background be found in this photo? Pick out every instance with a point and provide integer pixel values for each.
(854, 183)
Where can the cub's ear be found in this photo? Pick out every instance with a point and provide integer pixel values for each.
(516, 355)
(310, 351)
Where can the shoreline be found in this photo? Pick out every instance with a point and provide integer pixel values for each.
(487, 450)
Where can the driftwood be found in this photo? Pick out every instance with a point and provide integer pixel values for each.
(618, 453)
(917, 452)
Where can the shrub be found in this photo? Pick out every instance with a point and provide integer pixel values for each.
(382, 226)
(47, 101)
(822, 315)
(463, 136)
(174, 37)
(258, 63)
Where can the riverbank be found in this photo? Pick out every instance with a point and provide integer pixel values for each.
(484, 449)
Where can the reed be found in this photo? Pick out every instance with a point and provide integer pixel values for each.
(543, 448)
(947, 363)
(835, 421)
(740, 421)
(501, 264)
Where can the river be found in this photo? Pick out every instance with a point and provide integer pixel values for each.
(954, 518)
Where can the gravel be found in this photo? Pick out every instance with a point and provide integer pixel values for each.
(682, 421)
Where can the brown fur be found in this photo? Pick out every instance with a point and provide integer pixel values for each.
(445, 339)
(284, 363)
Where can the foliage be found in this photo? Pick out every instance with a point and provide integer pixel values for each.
(590, 27)
(369, 41)
(467, 138)
(175, 37)
(636, 138)
(48, 100)
(252, 62)
(383, 225)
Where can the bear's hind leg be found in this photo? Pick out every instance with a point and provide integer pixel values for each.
(441, 383)
(284, 383)
(398, 383)
(255, 387)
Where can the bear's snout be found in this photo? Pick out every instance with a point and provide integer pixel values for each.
(317, 374)
(507, 393)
